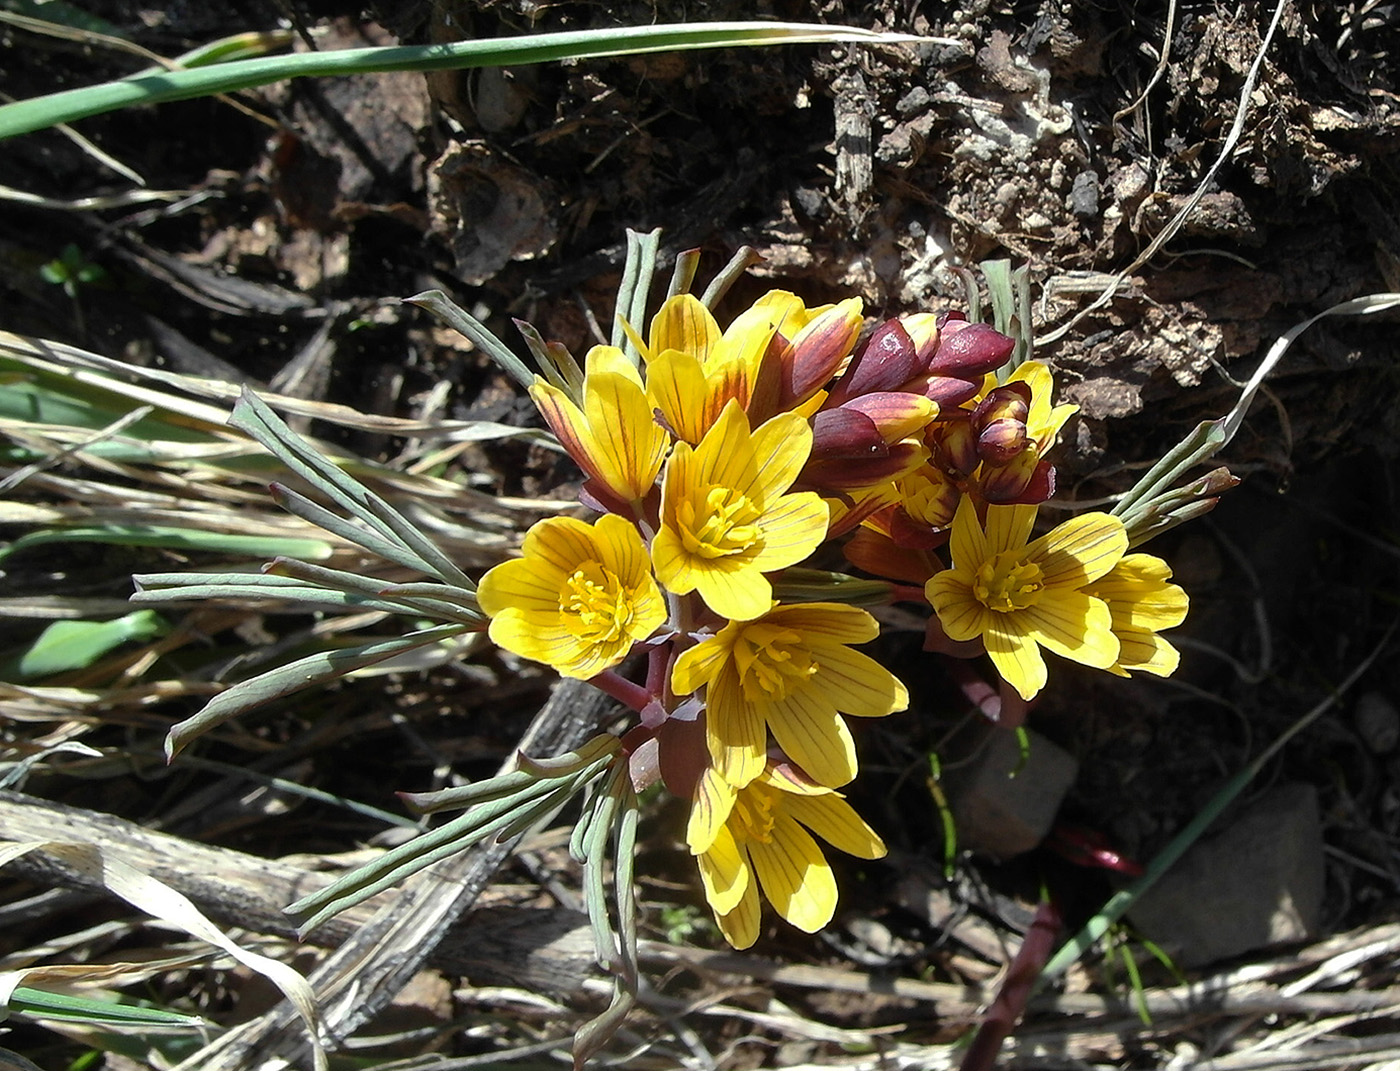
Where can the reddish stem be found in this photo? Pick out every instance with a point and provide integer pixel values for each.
(1016, 989)
(907, 593)
(621, 689)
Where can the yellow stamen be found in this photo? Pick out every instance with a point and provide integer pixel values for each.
(719, 526)
(1005, 583)
(595, 604)
(754, 813)
(772, 661)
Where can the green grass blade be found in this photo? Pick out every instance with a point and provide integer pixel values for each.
(149, 535)
(38, 113)
(45, 1005)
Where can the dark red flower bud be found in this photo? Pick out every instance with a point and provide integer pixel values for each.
(966, 350)
(839, 434)
(854, 474)
(1024, 481)
(953, 443)
(1000, 422)
(813, 356)
(887, 361)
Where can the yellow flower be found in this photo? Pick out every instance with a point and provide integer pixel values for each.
(725, 519)
(771, 358)
(694, 369)
(790, 671)
(1019, 597)
(578, 600)
(757, 836)
(615, 437)
(1142, 604)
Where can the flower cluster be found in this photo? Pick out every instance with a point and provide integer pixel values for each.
(720, 463)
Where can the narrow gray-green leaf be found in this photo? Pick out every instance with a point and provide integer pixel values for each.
(284, 680)
(469, 327)
(45, 1005)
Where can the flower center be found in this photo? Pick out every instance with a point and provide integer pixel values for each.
(594, 604)
(754, 812)
(719, 525)
(772, 661)
(1006, 584)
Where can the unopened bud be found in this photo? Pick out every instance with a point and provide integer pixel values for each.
(897, 414)
(953, 443)
(855, 474)
(1001, 440)
(923, 332)
(966, 350)
(814, 354)
(840, 434)
(1024, 480)
(1000, 422)
(929, 497)
(886, 362)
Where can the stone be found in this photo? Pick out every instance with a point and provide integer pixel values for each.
(1002, 806)
(1256, 884)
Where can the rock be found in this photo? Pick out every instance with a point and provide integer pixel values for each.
(1257, 883)
(1377, 723)
(1002, 806)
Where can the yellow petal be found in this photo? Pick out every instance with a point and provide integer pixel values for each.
(813, 735)
(740, 926)
(836, 822)
(1080, 550)
(961, 614)
(796, 878)
(781, 447)
(611, 360)
(730, 589)
(676, 386)
(543, 638)
(699, 665)
(724, 874)
(1137, 592)
(569, 425)
(684, 324)
(725, 456)
(561, 543)
(784, 310)
(792, 528)
(857, 684)
(628, 440)
(1016, 656)
(832, 621)
(714, 800)
(968, 544)
(736, 731)
(521, 584)
(675, 568)
(1009, 527)
(1073, 625)
(1145, 651)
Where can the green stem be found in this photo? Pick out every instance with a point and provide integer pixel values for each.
(22, 117)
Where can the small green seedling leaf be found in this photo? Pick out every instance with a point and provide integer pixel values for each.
(68, 645)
